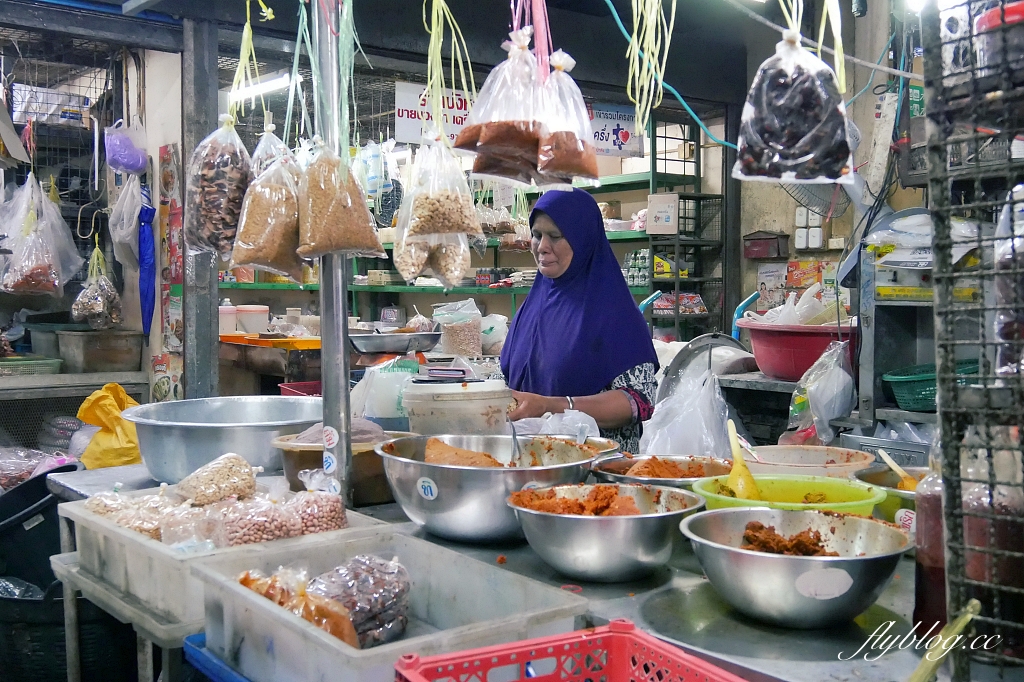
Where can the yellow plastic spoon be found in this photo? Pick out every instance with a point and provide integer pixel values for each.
(740, 479)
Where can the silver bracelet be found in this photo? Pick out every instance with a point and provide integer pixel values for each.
(572, 405)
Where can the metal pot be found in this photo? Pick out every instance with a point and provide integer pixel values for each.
(468, 503)
(178, 437)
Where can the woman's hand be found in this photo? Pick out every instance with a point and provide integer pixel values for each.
(533, 405)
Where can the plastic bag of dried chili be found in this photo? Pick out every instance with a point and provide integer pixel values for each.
(794, 128)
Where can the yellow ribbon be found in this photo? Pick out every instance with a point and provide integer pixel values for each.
(648, 54)
(440, 18)
(247, 73)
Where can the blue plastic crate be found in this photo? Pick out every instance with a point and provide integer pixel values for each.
(202, 660)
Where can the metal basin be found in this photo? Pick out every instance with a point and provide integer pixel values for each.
(468, 503)
(791, 591)
(394, 343)
(178, 437)
(895, 499)
(612, 469)
(609, 548)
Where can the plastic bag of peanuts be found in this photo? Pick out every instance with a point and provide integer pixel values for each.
(189, 529)
(260, 519)
(228, 475)
(447, 256)
(319, 510)
(438, 199)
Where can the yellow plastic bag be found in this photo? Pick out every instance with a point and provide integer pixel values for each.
(116, 443)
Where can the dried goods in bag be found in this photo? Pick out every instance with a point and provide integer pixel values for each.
(228, 475)
(794, 127)
(438, 195)
(333, 215)
(566, 147)
(1009, 285)
(268, 230)
(261, 518)
(269, 149)
(319, 510)
(217, 176)
(374, 591)
(461, 328)
(98, 302)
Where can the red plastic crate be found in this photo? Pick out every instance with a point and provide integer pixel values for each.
(307, 388)
(617, 652)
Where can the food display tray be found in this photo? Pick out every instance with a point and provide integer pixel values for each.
(154, 574)
(456, 603)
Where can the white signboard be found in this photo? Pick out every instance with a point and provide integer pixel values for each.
(412, 112)
(615, 129)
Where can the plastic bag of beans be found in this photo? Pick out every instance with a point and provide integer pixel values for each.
(228, 475)
(261, 518)
(319, 509)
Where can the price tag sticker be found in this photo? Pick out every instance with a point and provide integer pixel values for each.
(331, 437)
(427, 489)
(824, 583)
(334, 486)
(907, 520)
(330, 463)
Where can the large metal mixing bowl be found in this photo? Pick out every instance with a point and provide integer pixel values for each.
(609, 548)
(178, 437)
(896, 499)
(793, 591)
(368, 344)
(468, 503)
(612, 469)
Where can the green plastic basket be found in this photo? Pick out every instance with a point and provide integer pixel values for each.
(915, 387)
(20, 365)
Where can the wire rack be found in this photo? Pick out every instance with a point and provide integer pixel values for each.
(974, 71)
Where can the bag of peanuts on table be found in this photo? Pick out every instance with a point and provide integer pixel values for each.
(261, 518)
(268, 231)
(333, 214)
(228, 475)
(319, 509)
(217, 176)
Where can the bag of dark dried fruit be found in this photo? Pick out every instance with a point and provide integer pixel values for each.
(794, 128)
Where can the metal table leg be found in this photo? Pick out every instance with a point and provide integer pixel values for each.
(173, 664)
(71, 631)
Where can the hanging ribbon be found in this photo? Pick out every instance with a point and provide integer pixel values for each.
(247, 73)
(302, 38)
(648, 54)
(441, 18)
(541, 38)
(830, 13)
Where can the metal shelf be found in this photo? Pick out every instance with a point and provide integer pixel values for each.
(892, 414)
(66, 385)
(269, 286)
(613, 236)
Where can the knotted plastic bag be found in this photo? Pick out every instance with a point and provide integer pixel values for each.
(269, 149)
(692, 420)
(268, 230)
(566, 144)
(98, 303)
(318, 509)
(438, 195)
(125, 147)
(793, 127)
(124, 223)
(217, 176)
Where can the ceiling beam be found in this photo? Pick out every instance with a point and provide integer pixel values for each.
(92, 25)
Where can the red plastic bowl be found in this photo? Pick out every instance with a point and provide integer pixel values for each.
(787, 351)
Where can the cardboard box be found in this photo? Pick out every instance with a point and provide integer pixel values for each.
(379, 278)
(801, 274)
(662, 214)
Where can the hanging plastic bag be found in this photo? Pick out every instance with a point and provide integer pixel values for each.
(269, 149)
(373, 169)
(438, 194)
(125, 147)
(333, 215)
(218, 174)
(793, 127)
(70, 262)
(1009, 285)
(690, 421)
(461, 332)
(493, 330)
(116, 443)
(378, 395)
(268, 230)
(566, 144)
(98, 302)
(825, 392)
(124, 223)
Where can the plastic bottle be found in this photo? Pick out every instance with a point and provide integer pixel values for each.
(930, 571)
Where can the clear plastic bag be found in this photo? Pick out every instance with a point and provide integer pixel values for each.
(228, 475)
(493, 331)
(259, 519)
(566, 144)
(1009, 285)
(98, 303)
(420, 323)
(447, 256)
(108, 504)
(438, 195)
(16, 588)
(333, 215)
(269, 149)
(217, 176)
(793, 127)
(378, 395)
(190, 530)
(825, 392)
(690, 421)
(461, 332)
(505, 120)
(374, 591)
(17, 465)
(578, 425)
(268, 230)
(319, 510)
(125, 147)
(124, 223)
(372, 162)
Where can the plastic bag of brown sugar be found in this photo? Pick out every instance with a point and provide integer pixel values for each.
(333, 215)
(504, 120)
(217, 176)
(268, 231)
(518, 172)
(438, 199)
(566, 145)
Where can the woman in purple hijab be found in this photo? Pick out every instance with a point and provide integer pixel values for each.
(579, 341)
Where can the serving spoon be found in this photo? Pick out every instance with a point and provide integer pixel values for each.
(907, 482)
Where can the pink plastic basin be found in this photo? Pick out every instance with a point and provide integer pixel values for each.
(787, 351)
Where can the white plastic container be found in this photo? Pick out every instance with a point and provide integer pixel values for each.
(808, 460)
(456, 603)
(469, 408)
(154, 574)
(253, 319)
(228, 319)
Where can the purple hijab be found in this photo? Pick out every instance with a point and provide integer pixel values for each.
(575, 334)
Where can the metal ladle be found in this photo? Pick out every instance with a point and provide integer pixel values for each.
(517, 453)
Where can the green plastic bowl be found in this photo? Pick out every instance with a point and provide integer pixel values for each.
(787, 492)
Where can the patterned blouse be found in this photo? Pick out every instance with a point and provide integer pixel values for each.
(640, 386)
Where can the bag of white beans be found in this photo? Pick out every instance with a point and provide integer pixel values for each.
(228, 475)
(319, 509)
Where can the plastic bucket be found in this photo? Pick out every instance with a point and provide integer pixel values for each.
(786, 351)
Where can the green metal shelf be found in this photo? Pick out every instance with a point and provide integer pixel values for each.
(615, 236)
(405, 289)
(629, 182)
(267, 286)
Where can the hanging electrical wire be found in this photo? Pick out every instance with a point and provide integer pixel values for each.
(648, 54)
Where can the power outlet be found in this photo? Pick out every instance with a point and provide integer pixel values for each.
(801, 216)
(813, 219)
(837, 243)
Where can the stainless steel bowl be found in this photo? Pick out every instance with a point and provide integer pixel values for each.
(178, 437)
(791, 591)
(394, 343)
(612, 469)
(468, 503)
(895, 499)
(609, 548)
